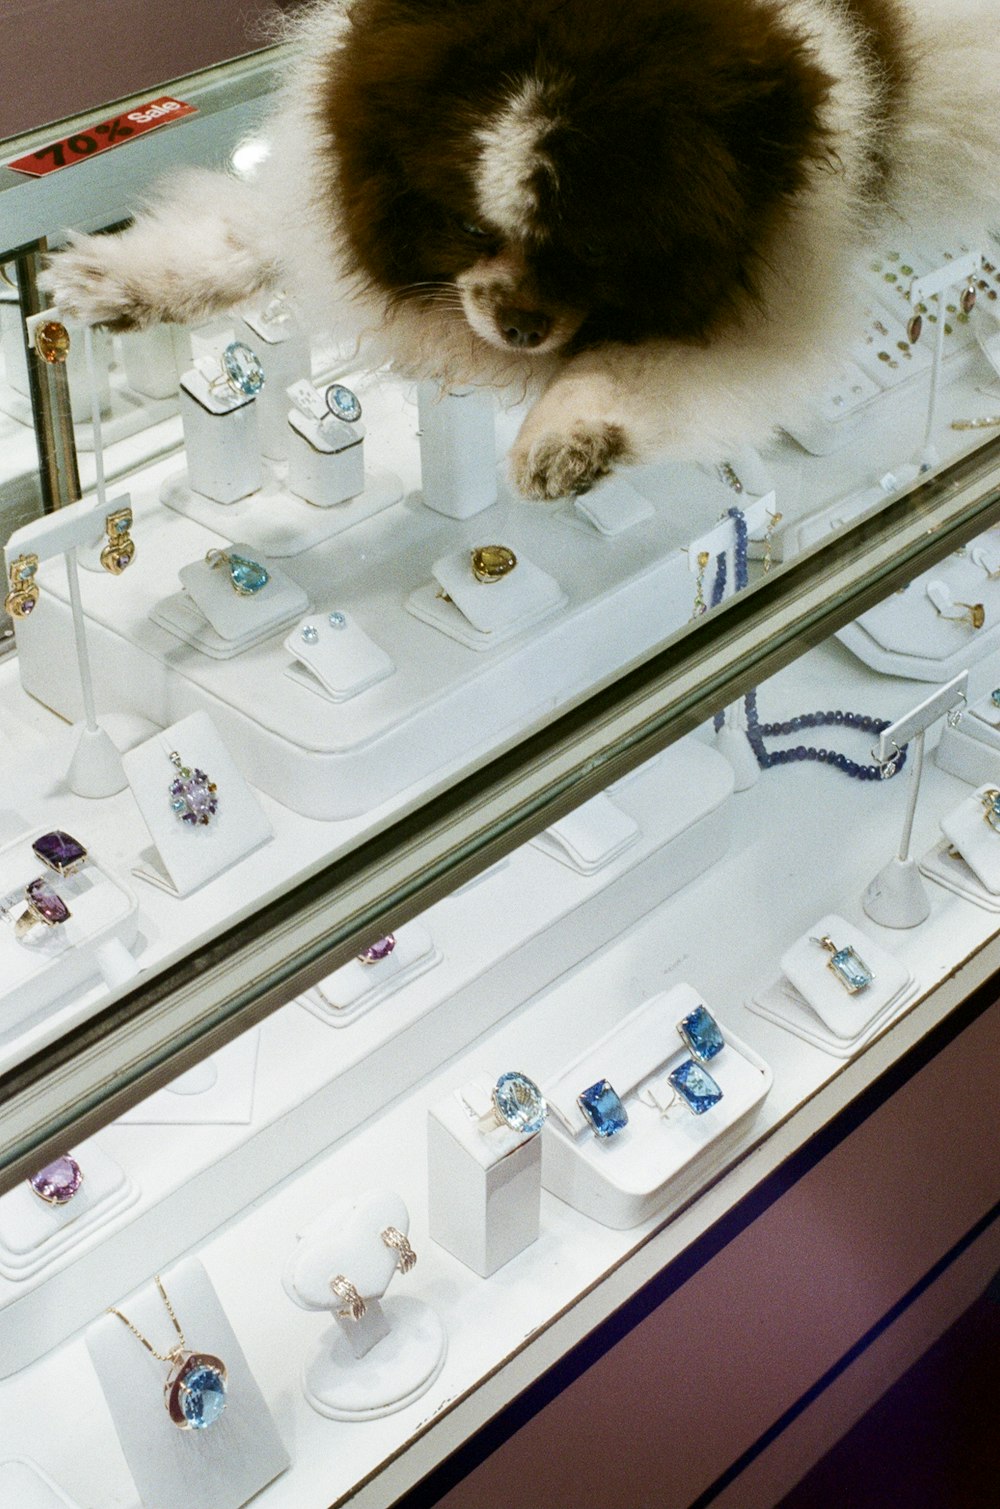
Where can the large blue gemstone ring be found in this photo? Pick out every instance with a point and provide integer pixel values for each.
(602, 1106)
(241, 372)
(701, 1034)
(518, 1103)
(342, 403)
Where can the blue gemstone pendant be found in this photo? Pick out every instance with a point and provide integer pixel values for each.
(246, 577)
(848, 966)
(195, 1391)
(602, 1107)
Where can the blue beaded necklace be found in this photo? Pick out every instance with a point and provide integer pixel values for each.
(757, 732)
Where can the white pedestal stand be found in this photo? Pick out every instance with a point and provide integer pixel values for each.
(283, 346)
(221, 438)
(897, 896)
(387, 1358)
(457, 449)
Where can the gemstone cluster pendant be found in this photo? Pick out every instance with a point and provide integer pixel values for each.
(192, 795)
(195, 1390)
(848, 966)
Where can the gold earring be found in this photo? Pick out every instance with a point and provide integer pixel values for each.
(700, 604)
(23, 595)
(119, 553)
(773, 520)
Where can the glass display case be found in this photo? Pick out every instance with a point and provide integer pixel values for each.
(427, 915)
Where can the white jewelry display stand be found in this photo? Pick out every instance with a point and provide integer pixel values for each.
(23, 1485)
(380, 1363)
(221, 440)
(484, 1188)
(484, 614)
(590, 837)
(624, 1179)
(355, 988)
(34, 1234)
(210, 616)
(49, 962)
(610, 508)
(896, 897)
(969, 747)
(326, 459)
(187, 855)
(943, 864)
(283, 348)
(221, 1467)
(966, 830)
(217, 1092)
(341, 663)
(458, 475)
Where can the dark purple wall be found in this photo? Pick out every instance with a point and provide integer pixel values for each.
(64, 57)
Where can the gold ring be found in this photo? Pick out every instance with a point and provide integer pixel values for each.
(394, 1238)
(491, 562)
(354, 1305)
(45, 908)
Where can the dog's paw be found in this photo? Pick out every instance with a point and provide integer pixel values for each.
(88, 284)
(553, 465)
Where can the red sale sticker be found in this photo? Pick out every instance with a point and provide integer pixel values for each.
(101, 138)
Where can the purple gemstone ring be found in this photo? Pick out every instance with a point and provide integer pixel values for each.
(60, 851)
(377, 951)
(44, 908)
(58, 1181)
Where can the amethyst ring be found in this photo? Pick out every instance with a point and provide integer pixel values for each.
(58, 1181)
(60, 851)
(44, 908)
(377, 951)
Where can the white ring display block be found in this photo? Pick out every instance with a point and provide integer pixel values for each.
(221, 440)
(326, 459)
(283, 347)
(457, 449)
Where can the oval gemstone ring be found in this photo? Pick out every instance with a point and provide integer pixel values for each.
(241, 371)
(44, 908)
(342, 403)
(518, 1103)
(491, 562)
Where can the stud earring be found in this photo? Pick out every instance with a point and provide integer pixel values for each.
(119, 553)
(700, 605)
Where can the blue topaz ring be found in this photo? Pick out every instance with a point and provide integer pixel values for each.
(518, 1103)
(603, 1108)
(990, 799)
(354, 1305)
(246, 577)
(691, 1085)
(341, 403)
(241, 371)
(406, 1257)
(701, 1035)
(847, 964)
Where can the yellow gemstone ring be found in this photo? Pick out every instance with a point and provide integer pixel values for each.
(491, 562)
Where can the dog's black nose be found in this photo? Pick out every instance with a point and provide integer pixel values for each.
(523, 327)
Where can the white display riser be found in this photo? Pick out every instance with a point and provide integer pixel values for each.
(443, 704)
(315, 1084)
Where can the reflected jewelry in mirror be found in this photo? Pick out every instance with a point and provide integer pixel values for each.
(967, 298)
(342, 403)
(377, 951)
(241, 372)
(701, 1035)
(22, 596)
(60, 851)
(773, 520)
(192, 795)
(406, 1257)
(700, 605)
(196, 1387)
(603, 1108)
(52, 342)
(246, 577)
(727, 474)
(490, 563)
(45, 909)
(58, 1181)
(846, 964)
(517, 1103)
(990, 799)
(973, 614)
(987, 422)
(354, 1305)
(119, 553)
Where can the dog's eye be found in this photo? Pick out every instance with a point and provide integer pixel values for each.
(594, 253)
(471, 229)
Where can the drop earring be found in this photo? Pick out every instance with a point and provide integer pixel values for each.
(700, 604)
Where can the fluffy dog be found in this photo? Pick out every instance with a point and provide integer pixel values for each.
(649, 211)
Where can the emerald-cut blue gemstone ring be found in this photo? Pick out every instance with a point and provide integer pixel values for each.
(847, 964)
(701, 1034)
(602, 1106)
(518, 1103)
(342, 403)
(245, 576)
(695, 1086)
(990, 799)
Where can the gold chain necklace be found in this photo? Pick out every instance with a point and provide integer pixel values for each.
(195, 1391)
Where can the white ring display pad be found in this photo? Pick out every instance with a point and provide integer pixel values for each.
(240, 618)
(967, 830)
(51, 961)
(374, 1366)
(590, 837)
(34, 1233)
(944, 865)
(611, 507)
(217, 1468)
(186, 855)
(355, 988)
(621, 1180)
(23, 1485)
(806, 966)
(483, 614)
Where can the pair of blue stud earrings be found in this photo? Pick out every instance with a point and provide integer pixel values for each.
(309, 634)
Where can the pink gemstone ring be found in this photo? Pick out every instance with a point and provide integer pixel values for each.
(44, 908)
(58, 1181)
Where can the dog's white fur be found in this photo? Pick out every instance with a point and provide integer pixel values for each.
(211, 242)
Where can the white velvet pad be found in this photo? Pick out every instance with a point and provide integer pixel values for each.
(967, 830)
(23, 1485)
(806, 966)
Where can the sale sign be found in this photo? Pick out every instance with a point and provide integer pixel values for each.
(100, 138)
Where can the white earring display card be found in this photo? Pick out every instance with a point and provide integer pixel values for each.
(221, 1466)
(335, 657)
(193, 841)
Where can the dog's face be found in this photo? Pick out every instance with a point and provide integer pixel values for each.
(558, 173)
